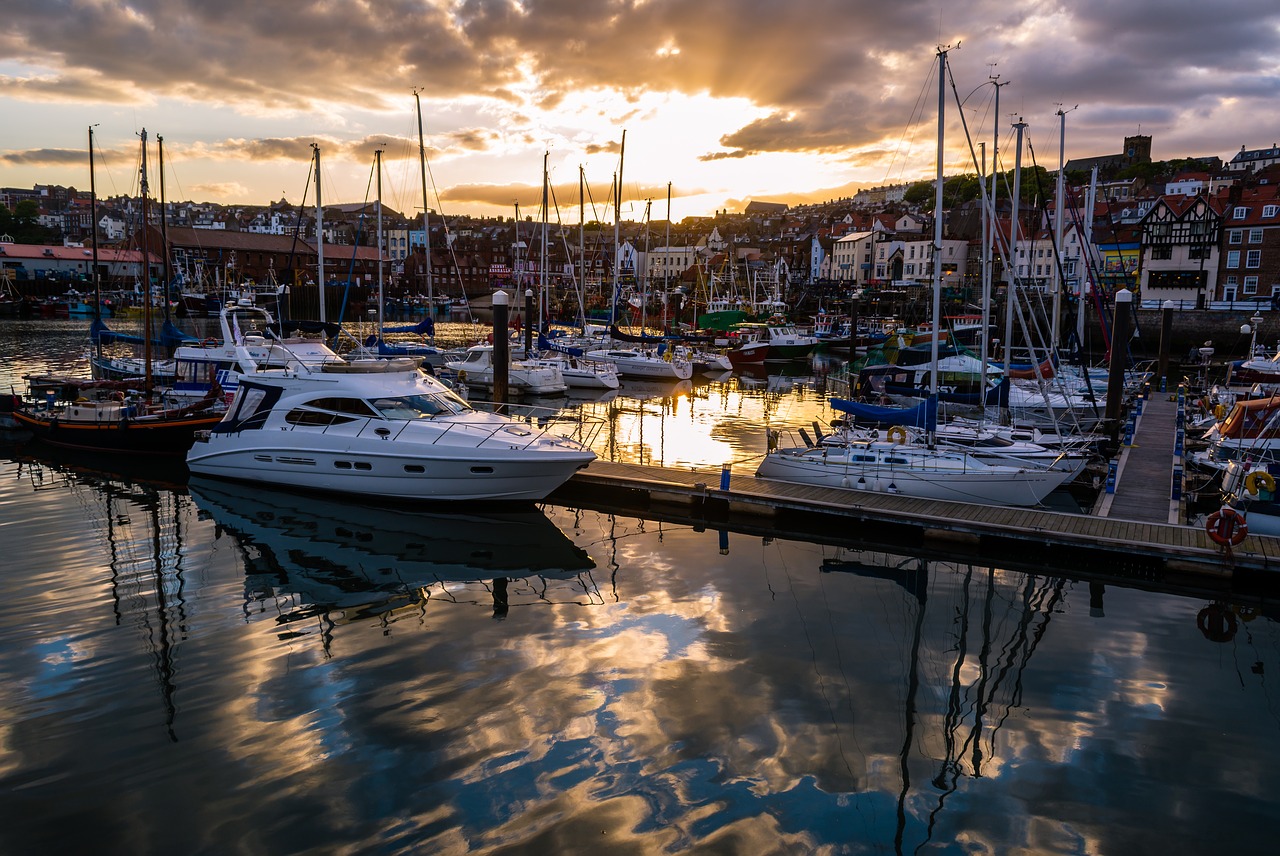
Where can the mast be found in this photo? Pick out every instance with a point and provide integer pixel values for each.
(666, 260)
(377, 159)
(1086, 245)
(93, 231)
(319, 231)
(426, 220)
(988, 274)
(542, 255)
(164, 229)
(984, 334)
(146, 267)
(937, 224)
(1015, 226)
(1057, 222)
(582, 247)
(617, 247)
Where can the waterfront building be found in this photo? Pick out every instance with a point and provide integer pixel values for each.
(1251, 258)
(1179, 260)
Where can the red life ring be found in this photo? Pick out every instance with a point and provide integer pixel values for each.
(1226, 527)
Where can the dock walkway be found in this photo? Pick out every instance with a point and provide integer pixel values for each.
(1027, 532)
(1146, 469)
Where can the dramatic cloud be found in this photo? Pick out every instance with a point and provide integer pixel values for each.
(831, 80)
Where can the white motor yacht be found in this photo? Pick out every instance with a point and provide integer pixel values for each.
(380, 428)
(645, 363)
(476, 366)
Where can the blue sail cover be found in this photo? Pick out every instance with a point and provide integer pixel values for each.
(170, 336)
(545, 344)
(993, 396)
(923, 415)
(425, 327)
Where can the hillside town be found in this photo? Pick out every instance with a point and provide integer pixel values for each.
(1200, 232)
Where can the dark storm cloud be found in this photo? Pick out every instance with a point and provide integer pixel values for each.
(831, 74)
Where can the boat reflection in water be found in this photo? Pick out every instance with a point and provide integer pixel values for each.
(310, 556)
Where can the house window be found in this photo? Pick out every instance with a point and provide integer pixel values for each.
(1199, 251)
(1240, 212)
(1255, 236)
(1250, 285)
(1230, 281)
(1253, 259)
(1270, 210)
(1233, 259)
(1162, 252)
(1235, 236)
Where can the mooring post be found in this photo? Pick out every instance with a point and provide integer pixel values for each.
(528, 321)
(1166, 342)
(501, 348)
(1119, 356)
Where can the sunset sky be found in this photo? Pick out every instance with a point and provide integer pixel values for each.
(727, 100)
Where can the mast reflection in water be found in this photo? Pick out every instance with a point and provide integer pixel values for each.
(220, 669)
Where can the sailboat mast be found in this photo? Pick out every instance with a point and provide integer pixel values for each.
(164, 228)
(146, 268)
(319, 231)
(582, 247)
(937, 224)
(1015, 226)
(426, 219)
(1057, 224)
(1087, 243)
(542, 257)
(93, 231)
(666, 260)
(377, 159)
(617, 247)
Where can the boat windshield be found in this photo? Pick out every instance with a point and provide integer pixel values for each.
(420, 406)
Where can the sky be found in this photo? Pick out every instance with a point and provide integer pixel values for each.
(722, 101)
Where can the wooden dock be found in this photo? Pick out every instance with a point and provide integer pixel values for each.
(1146, 469)
(1019, 537)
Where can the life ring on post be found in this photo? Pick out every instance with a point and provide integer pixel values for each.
(897, 434)
(1251, 482)
(1226, 527)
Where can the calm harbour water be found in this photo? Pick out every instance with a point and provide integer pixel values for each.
(191, 666)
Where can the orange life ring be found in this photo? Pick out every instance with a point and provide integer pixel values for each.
(1226, 527)
(208, 342)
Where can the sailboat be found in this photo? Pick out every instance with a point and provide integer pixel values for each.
(117, 416)
(897, 466)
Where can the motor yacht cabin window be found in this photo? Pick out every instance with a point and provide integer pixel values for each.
(420, 406)
(329, 411)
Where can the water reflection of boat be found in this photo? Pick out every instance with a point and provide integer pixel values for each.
(641, 390)
(332, 554)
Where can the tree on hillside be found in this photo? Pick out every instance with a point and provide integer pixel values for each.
(23, 224)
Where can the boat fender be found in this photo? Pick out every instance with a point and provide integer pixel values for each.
(1268, 482)
(1226, 527)
(1217, 623)
(897, 434)
(462, 376)
(1219, 411)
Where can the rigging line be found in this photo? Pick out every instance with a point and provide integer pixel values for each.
(913, 123)
(355, 244)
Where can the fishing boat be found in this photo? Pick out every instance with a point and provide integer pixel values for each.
(108, 416)
(786, 342)
(380, 428)
(121, 416)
